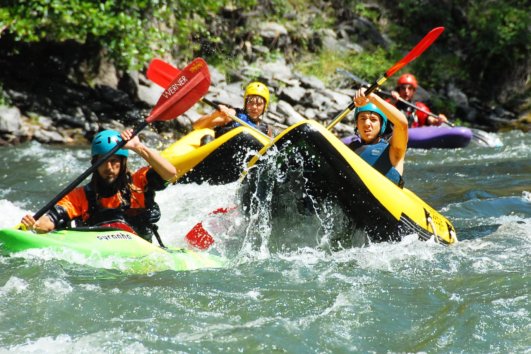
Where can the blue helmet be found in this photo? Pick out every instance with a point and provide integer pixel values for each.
(105, 141)
(371, 107)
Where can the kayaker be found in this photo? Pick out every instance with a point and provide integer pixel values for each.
(114, 197)
(372, 115)
(406, 87)
(255, 100)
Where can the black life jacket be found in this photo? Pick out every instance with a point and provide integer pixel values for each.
(142, 220)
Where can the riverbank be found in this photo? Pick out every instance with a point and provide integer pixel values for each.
(63, 93)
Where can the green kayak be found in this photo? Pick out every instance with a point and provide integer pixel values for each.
(127, 251)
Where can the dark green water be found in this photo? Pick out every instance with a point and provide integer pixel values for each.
(412, 296)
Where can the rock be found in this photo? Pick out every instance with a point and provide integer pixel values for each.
(365, 31)
(273, 117)
(232, 96)
(329, 40)
(216, 77)
(114, 96)
(289, 112)
(45, 122)
(292, 94)
(318, 101)
(107, 75)
(310, 113)
(457, 96)
(277, 69)
(272, 30)
(338, 98)
(311, 82)
(10, 119)
(48, 137)
(149, 94)
(128, 83)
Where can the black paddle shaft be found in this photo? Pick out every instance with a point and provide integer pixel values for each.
(84, 175)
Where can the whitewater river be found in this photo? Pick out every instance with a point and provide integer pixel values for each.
(411, 296)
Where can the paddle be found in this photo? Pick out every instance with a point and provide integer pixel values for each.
(161, 73)
(386, 93)
(181, 94)
(412, 55)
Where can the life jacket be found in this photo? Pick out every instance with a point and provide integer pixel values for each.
(135, 205)
(377, 155)
(141, 219)
(232, 124)
(415, 118)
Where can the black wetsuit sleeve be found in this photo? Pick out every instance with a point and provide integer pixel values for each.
(58, 216)
(155, 181)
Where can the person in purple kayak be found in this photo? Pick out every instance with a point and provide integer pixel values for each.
(405, 90)
(372, 116)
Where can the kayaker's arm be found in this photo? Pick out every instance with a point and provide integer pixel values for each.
(217, 118)
(162, 166)
(398, 141)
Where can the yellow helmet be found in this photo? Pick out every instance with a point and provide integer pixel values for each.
(258, 89)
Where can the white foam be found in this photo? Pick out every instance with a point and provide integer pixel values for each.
(11, 214)
(91, 343)
(14, 285)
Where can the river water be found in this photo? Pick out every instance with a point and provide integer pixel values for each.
(410, 296)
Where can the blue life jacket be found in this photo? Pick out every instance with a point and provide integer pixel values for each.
(377, 155)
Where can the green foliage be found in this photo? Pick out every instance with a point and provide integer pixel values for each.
(321, 65)
(132, 31)
(483, 38)
(369, 66)
(4, 98)
(500, 33)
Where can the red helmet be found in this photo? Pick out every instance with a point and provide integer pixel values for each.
(407, 79)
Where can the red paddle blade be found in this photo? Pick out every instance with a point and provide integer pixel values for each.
(416, 51)
(161, 72)
(199, 237)
(183, 92)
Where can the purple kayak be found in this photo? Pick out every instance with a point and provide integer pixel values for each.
(439, 137)
(434, 137)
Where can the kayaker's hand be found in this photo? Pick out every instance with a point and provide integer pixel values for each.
(442, 119)
(395, 95)
(43, 225)
(133, 142)
(226, 113)
(359, 98)
(28, 221)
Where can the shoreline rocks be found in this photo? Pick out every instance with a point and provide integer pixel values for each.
(63, 93)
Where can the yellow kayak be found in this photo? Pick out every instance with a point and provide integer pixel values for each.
(219, 161)
(310, 168)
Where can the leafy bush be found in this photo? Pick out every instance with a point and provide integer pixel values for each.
(482, 39)
(132, 31)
